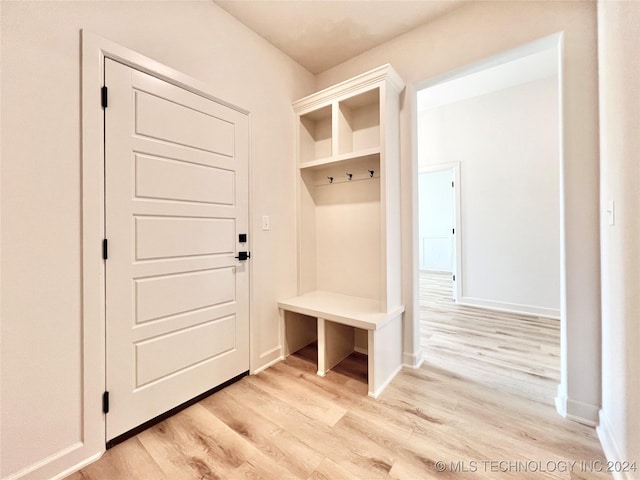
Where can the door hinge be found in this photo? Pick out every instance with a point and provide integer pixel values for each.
(105, 402)
(105, 249)
(454, 278)
(451, 184)
(453, 230)
(103, 97)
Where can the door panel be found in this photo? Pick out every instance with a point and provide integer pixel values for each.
(166, 179)
(184, 124)
(173, 236)
(189, 347)
(176, 198)
(166, 295)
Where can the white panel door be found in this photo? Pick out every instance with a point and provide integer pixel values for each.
(437, 220)
(177, 299)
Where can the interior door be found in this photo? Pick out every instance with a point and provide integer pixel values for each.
(437, 220)
(177, 299)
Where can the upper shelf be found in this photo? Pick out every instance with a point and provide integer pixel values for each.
(345, 121)
(348, 128)
(329, 161)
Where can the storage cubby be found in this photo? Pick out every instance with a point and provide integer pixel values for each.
(316, 134)
(359, 122)
(342, 215)
(348, 174)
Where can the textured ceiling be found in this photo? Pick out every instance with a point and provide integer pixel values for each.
(320, 34)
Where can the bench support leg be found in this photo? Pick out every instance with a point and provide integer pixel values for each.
(385, 355)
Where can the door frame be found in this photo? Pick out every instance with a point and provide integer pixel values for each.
(457, 220)
(94, 51)
(566, 407)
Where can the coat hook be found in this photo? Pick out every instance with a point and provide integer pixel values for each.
(349, 176)
(371, 172)
(330, 179)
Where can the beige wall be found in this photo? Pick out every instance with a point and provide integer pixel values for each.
(469, 34)
(619, 50)
(41, 197)
(506, 143)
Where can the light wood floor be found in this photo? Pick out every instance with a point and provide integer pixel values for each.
(289, 423)
(519, 354)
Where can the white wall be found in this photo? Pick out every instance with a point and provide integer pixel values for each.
(619, 47)
(472, 33)
(41, 198)
(508, 148)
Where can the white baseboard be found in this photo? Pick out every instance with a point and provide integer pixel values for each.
(268, 359)
(582, 412)
(610, 447)
(509, 307)
(412, 360)
(381, 388)
(362, 350)
(51, 466)
(561, 402)
(575, 410)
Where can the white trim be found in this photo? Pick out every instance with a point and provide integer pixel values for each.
(47, 466)
(109, 49)
(412, 360)
(347, 88)
(610, 446)
(94, 50)
(545, 43)
(564, 338)
(510, 307)
(384, 384)
(582, 412)
(561, 401)
(575, 410)
(270, 363)
(361, 350)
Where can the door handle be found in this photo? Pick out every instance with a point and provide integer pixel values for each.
(243, 255)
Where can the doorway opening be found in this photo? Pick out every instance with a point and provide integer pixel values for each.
(489, 263)
(439, 224)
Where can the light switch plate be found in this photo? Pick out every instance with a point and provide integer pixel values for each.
(611, 213)
(265, 222)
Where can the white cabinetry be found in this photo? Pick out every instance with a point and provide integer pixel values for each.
(348, 174)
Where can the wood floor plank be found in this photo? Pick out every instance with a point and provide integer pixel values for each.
(331, 442)
(265, 435)
(129, 460)
(313, 406)
(516, 353)
(183, 452)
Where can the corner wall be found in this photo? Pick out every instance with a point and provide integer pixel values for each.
(474, 32)
(619, 53)
(41, 310)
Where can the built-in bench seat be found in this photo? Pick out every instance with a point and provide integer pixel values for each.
(338, 316)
